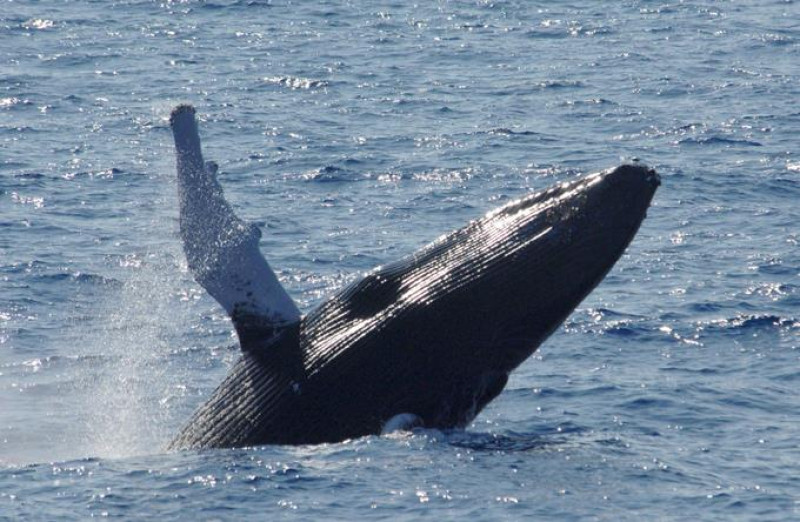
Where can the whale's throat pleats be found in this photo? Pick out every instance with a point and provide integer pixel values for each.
(222, 249)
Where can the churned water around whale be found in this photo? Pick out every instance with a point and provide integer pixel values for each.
(354, 135)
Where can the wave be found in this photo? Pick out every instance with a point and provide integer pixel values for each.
(11, 101)
(56, 361)
(79, 278)
(605, 321)
(586, 102)
(507, 442)
(719, 140)
(295, 82)
(748, 323)
(503, 131)
(331, 173)
(36, 267)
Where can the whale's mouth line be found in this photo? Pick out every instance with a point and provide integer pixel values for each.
(427, 340)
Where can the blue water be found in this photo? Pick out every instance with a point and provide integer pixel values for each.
(355, 132)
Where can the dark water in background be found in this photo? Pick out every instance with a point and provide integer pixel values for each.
(355, 132)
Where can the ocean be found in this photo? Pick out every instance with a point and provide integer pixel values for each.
(354, 133)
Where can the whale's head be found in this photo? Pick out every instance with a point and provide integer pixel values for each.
(447, 324)
(488, 294)
(541, 256)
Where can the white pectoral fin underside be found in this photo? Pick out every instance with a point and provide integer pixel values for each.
(221, 249)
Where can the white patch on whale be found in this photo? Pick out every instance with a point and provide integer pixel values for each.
(402, 422)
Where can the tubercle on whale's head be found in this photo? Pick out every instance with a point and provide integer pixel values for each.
(584, 209)
(621, 199)
(652, 177)
(634, 173)
(596, 218)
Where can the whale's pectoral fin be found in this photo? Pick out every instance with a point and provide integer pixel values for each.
(222, 249)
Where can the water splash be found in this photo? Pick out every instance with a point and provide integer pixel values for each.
(128, 398)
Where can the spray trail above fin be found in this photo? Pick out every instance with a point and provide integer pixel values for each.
(222, 249)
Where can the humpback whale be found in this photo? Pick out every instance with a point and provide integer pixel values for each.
(428, 340)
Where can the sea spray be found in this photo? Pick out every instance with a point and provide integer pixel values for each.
(128, 396)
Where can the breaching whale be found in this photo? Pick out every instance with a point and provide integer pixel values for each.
(428, 340)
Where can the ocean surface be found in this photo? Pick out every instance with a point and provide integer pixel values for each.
(354, 133)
